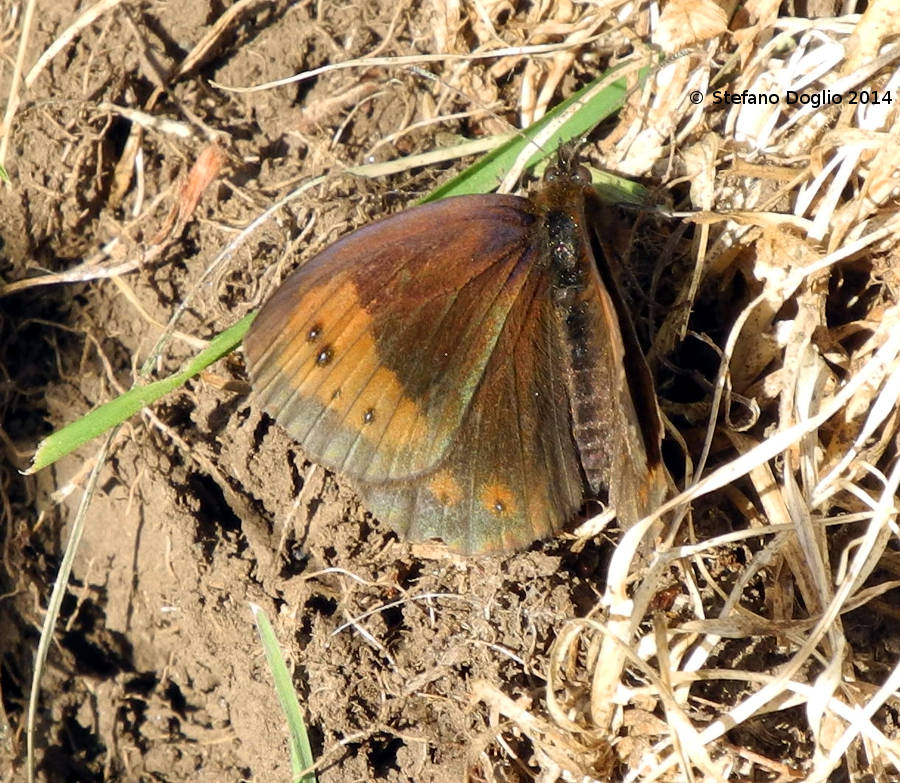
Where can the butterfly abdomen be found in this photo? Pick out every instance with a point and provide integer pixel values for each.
(591, 387)
(584, 341)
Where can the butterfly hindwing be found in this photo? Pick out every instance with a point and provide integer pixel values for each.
(511, 475)
(637, 480)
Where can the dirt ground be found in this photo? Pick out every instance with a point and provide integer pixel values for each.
(205, 505)
(157, 673)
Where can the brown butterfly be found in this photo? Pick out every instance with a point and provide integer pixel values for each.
(471, 365)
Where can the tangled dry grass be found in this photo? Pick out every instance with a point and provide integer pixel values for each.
(799, 457)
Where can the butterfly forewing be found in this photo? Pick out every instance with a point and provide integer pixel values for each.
(370, 353)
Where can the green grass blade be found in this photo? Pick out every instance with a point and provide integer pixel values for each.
(121, 408)
(484, 175)
(301, 753)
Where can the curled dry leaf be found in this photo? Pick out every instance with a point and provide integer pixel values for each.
(203, 172)
(686, 22)
(884, 173)
(445, 20)
(777, 252)
(879, 22)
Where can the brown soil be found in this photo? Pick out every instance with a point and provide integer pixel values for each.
(410, 664)
(156, 672)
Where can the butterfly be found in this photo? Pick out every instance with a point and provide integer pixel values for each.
(470, 365)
